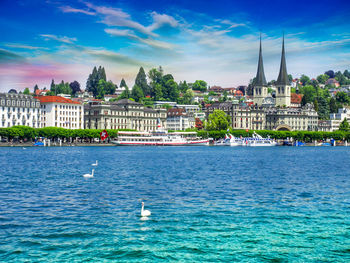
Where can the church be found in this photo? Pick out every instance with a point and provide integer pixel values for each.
(267, 112)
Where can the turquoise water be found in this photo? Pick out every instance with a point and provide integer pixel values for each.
(208, 204)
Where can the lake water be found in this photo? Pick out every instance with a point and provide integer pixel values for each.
(208, 204)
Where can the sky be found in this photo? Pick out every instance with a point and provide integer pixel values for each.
(214, 41)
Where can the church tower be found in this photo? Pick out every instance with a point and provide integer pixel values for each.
(260, 85)
(283, 88)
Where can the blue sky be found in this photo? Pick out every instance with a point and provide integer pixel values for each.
(216, 41)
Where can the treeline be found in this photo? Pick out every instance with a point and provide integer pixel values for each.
(305, 136)
(24, 132)
(162, 87)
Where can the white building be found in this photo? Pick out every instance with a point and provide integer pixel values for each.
(191, 109)
(162, 103)
(335, 120)
(123, 114)
(19, 109)
(178, 120)
(61, 112)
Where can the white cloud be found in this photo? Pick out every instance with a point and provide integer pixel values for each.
(21, 46)
(64, 39)
(160, 20)
(130, 34)
(68, 9)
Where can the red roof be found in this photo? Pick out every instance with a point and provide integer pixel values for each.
(296, 98)
(57, 99)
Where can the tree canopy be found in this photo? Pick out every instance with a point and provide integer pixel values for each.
(218, 120)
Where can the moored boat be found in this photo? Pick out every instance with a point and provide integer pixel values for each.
(159, 138)
(258, 140)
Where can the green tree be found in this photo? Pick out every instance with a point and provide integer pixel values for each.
(346, 74)
(218, 120)
(52, 86)
(309, 93)
(290, 78)
(342, 97)
(330, 73)
(200, 85)
(123, 84)
(171, 91)
(333, 105)
(26, 91)
(322, 78)
(75, 87)
(183, 87)
(35, 88)
(92, 82)
(188, 97)
(316, 105)
(323, 108)
(125, 94)
(101, 73)
(137, 93)
(141, 82)
(157, 91)
(305, 80)
(344, 126)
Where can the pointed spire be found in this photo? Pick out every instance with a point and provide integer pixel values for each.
(283, 75)
(260, 79)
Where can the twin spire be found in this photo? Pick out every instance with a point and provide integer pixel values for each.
(283, 79)
(260, 79)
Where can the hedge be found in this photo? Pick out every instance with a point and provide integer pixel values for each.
(24, 132)
(306, 136)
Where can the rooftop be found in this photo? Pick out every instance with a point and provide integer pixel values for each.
(55, 99)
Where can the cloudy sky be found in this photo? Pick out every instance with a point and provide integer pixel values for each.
(216, 41)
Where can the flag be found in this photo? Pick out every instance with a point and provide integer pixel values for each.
(104, 135)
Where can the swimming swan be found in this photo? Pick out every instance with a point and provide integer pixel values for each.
(144, 212)
(89, 175)
(95, 164)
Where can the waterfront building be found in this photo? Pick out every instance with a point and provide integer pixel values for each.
(284, 112)
(123, 114)
(61, 112)
(179, 120)
(19, 109)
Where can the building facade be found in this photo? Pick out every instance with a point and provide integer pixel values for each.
(19, 109)
(335, 120)
(61, 112)
(179, 120)
(268, 118)
(123, 114)
(268, 113)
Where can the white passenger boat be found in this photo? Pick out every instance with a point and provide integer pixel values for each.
(159, 138)
(257, 140)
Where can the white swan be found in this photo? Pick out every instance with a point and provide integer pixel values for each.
(89, 175)
(95, 164)
(144, 212)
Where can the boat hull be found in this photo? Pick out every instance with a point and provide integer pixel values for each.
(187, 143)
